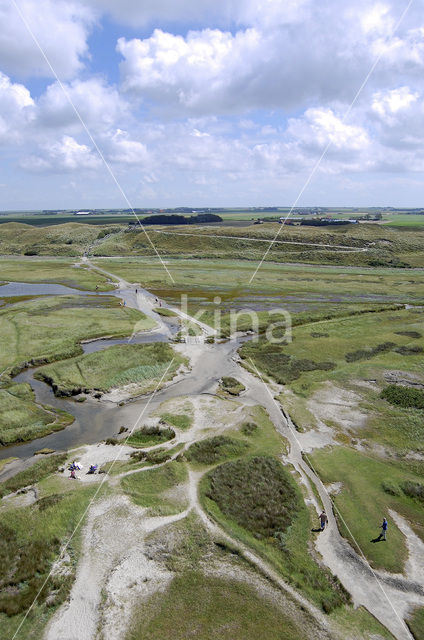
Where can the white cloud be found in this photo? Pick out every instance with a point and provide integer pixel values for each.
(386, 104)
(187, 71)
(15, 109)
(64, 155)
(319, 127)
(61, 29)
(119, 148)
(98, 104)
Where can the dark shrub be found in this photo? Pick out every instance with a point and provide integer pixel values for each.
(215, 449)
(413, 490)
(409, 351)
(248, 428)
(369, 352)
(257, 493)
(403, 396)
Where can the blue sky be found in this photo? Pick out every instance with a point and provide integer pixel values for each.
(194, 102)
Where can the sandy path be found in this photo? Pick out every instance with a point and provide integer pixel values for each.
(112, 562)
(387, 597)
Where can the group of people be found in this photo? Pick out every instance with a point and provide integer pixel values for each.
(76, 466)
(323, 520)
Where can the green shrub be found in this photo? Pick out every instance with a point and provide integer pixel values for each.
(413, 490)
(232, 386)
(406, 397)
(257, 493)
(391, 488)
(409, 351)
(215, 449)
(369, 352)
(409, 334)
(150, 436)
(248, 428)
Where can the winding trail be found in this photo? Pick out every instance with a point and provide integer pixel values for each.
(387, 597)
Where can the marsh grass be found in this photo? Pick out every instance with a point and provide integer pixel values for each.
(51, 271)
(33, 474)
(114, 367)
(215, 449)
(21, 419)
(149, 436)
(51, 328)
(232, 386)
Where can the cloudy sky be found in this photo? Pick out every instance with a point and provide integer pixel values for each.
(210, 102)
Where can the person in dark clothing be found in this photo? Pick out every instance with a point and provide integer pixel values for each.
(323, 518)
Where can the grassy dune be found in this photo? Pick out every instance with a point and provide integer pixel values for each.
(222, 609)
(117, 366)
(256, 499)
(70, 239)
(384, 244)
(31, 541)
(149, 488)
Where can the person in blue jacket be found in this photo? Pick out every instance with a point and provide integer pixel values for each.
(384, 529)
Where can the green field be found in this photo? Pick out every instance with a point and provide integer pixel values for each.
(369, 488)
(52, 271)
(143, 365)
(51, 328)
(152, 489)
(336, 358)
(223, 609)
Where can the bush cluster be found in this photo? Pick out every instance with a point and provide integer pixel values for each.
(232, 385)
(409, 351)
(248, 428)
(150, 435)
(215, 449)
(406, 397)
(257, 493)
(284, 368)
(369, 352)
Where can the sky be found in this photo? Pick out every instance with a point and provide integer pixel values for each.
(167, 103)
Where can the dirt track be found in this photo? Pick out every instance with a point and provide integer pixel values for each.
(107, 557)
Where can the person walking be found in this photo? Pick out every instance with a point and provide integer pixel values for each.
(323, 518)
(384, 529)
